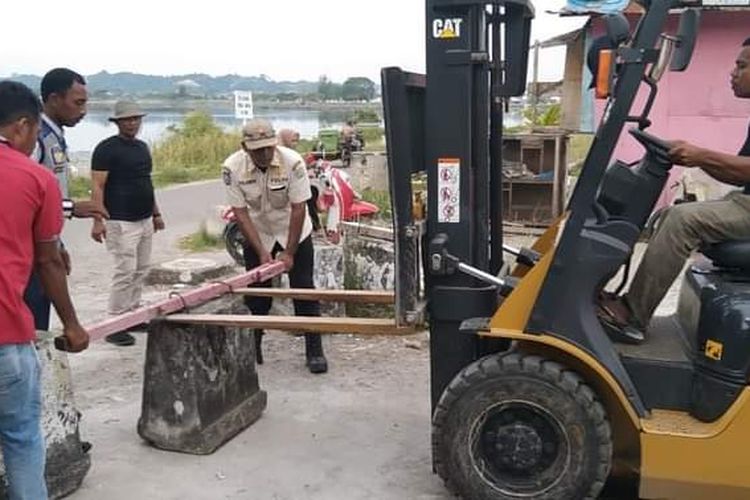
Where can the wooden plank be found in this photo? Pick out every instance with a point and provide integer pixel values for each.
(351, 296)
(179, 301)
(377, 232)
(361, 326)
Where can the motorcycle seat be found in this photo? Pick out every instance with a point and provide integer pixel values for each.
(730, 254)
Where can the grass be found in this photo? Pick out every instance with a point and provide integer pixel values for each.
(577, 150)
(79, 187)
(382, 199)
(374, 138)
(193, 151)
(201, 241)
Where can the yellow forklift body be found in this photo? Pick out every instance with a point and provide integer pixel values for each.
(683, 458)
(680, 457)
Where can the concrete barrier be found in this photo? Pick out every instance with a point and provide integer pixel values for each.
(200, 386)
(188, 271)
(328, 275)
(368, 265)
(368, 171)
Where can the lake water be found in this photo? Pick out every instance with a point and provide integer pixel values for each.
(95, 126)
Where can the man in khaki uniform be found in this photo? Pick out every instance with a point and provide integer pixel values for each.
(267, 186)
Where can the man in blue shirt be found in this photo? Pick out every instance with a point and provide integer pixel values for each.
(64, 100)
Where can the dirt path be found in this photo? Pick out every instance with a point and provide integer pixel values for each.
(360, 432)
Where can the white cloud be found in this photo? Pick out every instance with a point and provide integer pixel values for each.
(287, 40)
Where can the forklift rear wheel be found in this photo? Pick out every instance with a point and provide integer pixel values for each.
(515, 426)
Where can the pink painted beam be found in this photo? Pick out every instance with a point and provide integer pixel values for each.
(182, 300)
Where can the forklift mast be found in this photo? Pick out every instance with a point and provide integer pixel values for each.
(449, 125)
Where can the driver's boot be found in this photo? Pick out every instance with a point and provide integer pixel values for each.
(316, 359)
(258, 334)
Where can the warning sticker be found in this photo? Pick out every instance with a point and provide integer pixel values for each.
(449, 190)
(714, 350)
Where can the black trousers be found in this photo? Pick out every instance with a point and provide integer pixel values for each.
(301, 276)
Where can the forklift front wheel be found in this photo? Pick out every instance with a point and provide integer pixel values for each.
(514, 426)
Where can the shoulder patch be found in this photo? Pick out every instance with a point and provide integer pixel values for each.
(226, 175)
(299, 170)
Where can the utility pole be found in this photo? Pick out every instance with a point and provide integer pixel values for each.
(535, 87)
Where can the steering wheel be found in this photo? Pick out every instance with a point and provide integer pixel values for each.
(654, 144)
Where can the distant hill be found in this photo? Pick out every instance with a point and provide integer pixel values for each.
(116, 84)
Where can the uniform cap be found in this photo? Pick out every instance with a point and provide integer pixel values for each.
(257, 134)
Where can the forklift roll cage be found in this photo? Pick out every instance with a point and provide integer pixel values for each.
(452, 121)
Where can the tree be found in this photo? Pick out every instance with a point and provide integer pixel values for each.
(328, 90)
(358, 89)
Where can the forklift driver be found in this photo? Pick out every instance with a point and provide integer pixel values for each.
(686, 227)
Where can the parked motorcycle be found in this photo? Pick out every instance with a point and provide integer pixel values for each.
(232, 235)
(334, 195)
(348, 145)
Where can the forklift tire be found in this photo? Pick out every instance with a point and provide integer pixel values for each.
(513, 426)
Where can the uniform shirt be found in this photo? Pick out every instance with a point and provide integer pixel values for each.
(128, 192)
(29, 213)
(52, 152)
(269, 195)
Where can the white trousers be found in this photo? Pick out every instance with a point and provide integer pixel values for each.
(130, 245)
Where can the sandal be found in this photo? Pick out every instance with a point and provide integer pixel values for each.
(120, 339)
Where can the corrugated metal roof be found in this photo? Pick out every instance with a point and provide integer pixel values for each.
(563, 39)
(720, 5)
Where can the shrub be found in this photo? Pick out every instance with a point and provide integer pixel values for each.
(192, 151)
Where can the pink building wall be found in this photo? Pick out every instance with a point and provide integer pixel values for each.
(698, 105)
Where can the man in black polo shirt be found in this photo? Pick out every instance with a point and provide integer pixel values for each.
(686, 227)
(121, 175)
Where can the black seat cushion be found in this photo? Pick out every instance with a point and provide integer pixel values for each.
(734, 254)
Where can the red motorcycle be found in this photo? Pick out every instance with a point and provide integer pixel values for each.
(332, 193)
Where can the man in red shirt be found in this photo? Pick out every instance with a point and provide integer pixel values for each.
(30, 225)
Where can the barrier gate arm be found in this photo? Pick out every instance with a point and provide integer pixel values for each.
(183, 300)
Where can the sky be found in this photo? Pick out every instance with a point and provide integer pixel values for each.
(286, 40)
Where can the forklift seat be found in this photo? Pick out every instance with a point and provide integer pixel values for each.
(730, 254)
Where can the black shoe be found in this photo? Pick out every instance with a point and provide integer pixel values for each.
(258, 346)
(316, 359)
(120, 339)
(317, 364)
(616, 329)
(623, 334)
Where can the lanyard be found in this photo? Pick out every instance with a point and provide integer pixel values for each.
(60, 138)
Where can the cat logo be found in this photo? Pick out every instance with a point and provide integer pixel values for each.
(447, 29)
(714, 350)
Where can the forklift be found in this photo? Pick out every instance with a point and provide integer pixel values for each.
(530, 397)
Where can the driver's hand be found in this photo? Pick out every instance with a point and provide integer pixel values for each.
(686, 154)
